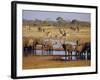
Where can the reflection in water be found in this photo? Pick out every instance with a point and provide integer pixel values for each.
(72, 56)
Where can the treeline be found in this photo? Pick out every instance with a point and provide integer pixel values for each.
(59, 22)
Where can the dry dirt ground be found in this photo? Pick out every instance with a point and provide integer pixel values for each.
(36, 62)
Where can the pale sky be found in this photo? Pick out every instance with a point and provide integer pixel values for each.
(43, 15)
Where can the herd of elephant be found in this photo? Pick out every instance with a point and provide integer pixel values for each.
(31, 45)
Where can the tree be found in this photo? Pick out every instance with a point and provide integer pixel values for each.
(60, 21)
(46, 23)
(75, 25)
(37, 22)
(74, 21)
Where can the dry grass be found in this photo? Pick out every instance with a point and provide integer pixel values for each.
(33, 62)
(83, 35)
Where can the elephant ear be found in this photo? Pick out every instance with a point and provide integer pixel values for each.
(64, 46)
(79, 48)
(69, 47)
